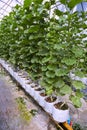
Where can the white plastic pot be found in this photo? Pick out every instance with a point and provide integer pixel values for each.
(60, 115)
(49, 106)
(41, 100)
(15, 75)
(37, 93)
(10, 70)
(28, 88)
(32, 89)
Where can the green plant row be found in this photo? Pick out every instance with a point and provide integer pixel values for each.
(48, 46)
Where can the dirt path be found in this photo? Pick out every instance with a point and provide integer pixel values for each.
(10, 115)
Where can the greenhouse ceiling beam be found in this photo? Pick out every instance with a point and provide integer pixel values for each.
(5, 3)
(2, 8)
(8, 5)
(18, 2)
(5, 10)
(2, 14)
(82, 6)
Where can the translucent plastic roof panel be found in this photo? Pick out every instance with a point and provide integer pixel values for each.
(7, 5)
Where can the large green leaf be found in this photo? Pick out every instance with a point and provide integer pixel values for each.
(49, 90)
(34, 60)
(46, 59)
(76, 101)
(79, 73)
(52, 67)
(61, 72)
(69, 61)
(44, 68)
(49, 80)
(50, 74)
(79, 94)
(65, 90)
(78, 51)
(78, 85)
(60, 83)
(58, 46)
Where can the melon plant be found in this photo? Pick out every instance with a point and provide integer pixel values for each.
(47, 47)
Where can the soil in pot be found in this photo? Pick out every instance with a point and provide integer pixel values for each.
(36, 93)
(33, 86)
(43, 94)
(38, 89)
(61, 105)
(29, 82)
(51, 99)
(23, 76)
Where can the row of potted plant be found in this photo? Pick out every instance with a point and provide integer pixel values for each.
(51, 104)
(48, 48)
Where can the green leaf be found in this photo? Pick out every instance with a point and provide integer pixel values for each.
(47, 5)
(63, 1)
(43, 52)
(31, 37)
(69, 61)
(78, 85)
(33, 29)
(49, 90)
(26, 31)
(58, 12)
(38, 1)
(65, 90)
(27, 3)
(73, 3)
(58, 46)
(49, 80)
(76, 101)
(53, 59)
(51, 67)
(34, 60)
(60, 83)
(50, 74)
(46, 59)
(78, 51)
(42, 83)
(61, 72)
(79, 73)
(44, 68)
(79, 94)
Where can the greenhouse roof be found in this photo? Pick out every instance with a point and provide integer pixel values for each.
(7, 5)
